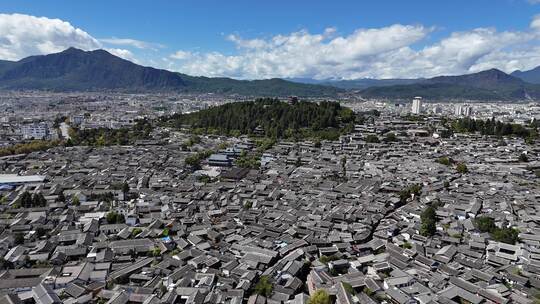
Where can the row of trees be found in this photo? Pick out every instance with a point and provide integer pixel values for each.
(195, 160)
(107, 137)
(506, 235)
(30, 201)
(268, 117)
(494, 127)
(251, 160)
(23, 148)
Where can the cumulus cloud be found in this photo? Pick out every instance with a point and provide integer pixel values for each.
(132, 43)
(181, 55)
(395, 51)
(387, 52)
(122, 53)
(535, 23)
(24, 35)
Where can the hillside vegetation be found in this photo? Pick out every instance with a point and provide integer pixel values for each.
(270, 118)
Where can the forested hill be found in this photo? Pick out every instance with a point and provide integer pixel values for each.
(269, 117)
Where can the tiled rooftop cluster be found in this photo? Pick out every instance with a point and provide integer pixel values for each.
(332, 217)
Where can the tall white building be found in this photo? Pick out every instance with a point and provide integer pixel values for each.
(417, 105)
(462, 110)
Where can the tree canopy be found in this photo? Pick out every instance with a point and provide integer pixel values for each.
(114, 217)
(109, 137)
(32, 146)
(271, 118)
(264, 287)
(506, 235)
(428, 217)
(494, 127)
(320, 297)
(29, 201)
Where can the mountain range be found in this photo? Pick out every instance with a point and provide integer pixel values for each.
(531, 76)
(356, 84)
(491, 84)
(486, 85)
(78, 70)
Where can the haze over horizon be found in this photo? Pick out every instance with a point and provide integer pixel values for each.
(316, 40)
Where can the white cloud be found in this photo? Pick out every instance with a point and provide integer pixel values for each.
(24, 35)
(181, 55)
(132, 43)
(122, 53)
(535, 23)
(387, 52)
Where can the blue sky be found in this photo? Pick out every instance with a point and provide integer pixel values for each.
(261, 39)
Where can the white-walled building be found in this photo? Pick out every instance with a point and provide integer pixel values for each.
(417, 105)
(463, 110)
(35, 131)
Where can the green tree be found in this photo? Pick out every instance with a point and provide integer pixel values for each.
(485, 224)
(18, 238)
(523, 158)
(38, 200)
(327, 259)
(320, 297)
(390, 137)
(428, 225)
(61, 197)
(28, 147)
(444, 161)
(506, 235)
(135, 232)
(114, 217)
(165, 232)
(462, 168)
(348, 288)
(193, 161)
(264, 287)
(405, 194)
(406, 245)
(269, 118)
(26, 200)
(372, 139)
(125, 189)
(155, 252)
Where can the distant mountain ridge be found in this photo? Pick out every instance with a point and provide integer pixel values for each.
(357, 84)
(78, 70)
(486, 85)
(531, 76)
(491, 84)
